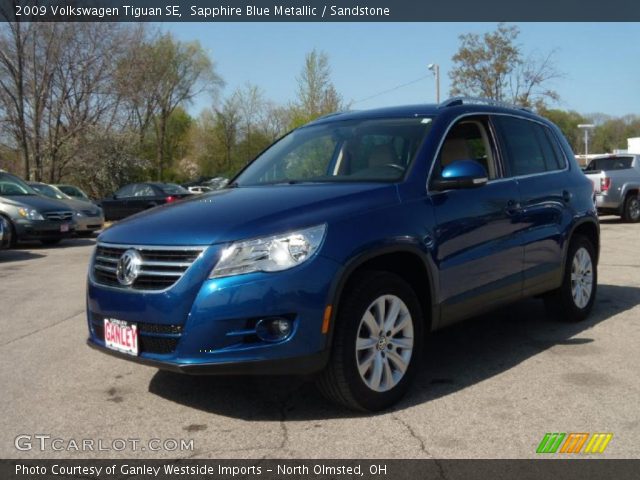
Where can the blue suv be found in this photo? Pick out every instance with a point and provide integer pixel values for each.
(342, 245)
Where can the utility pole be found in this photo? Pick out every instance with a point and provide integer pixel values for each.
(586, 127)
(435, 68)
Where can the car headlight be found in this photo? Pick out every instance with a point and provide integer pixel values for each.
(269, 254)
(79, 214)
(30, 213)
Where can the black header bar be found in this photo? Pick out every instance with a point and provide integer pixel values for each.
(320, 10)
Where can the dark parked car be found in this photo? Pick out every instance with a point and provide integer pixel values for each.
(136, 197)
(31, 216)
(343, 243)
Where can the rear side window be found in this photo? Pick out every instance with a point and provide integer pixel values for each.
(126, 191)
(143, 190)
(610, 163)
(528, 147)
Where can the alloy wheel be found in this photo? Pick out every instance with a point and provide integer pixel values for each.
(581, 277)
(384, 343)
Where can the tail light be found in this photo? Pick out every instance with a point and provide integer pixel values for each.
(171, 198)
(605, 183)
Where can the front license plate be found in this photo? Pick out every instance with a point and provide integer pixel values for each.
(64, 227)
(120, 335)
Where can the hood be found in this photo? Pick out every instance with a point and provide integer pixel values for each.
(247, 212)
(39, 202)
(79, 205)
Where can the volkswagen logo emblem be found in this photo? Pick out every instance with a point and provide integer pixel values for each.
(128, 267)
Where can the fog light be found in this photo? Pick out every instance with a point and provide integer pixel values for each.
(273, 329)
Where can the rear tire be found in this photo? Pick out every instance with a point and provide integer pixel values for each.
(377, 343)
(573, 301)
(631, 208)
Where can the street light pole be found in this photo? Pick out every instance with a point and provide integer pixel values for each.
(586, 127)
(435, 68)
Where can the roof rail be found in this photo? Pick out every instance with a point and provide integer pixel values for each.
(456, 101)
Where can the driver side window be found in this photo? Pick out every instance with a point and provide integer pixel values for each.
(469, 139)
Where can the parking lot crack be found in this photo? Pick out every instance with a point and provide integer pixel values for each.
(42, 329)
(422, 444)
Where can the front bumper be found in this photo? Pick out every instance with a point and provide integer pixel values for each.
(291, 366)
(41, 229)
(207, 326)
(89, 224)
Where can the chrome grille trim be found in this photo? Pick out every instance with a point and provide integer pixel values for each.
(161, 268)
(62, 215)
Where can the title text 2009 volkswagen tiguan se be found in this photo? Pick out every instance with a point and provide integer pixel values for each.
(341, 245)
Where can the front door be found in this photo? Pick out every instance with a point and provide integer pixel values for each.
(479, 253)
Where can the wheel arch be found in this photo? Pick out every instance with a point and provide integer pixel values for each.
(589, 228)
(407, 261)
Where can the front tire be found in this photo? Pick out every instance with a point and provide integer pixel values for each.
(573, 301)
(377, 343)
(9, 232)
(631, 208)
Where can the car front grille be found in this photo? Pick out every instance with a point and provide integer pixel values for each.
(91, 213)
(152, 337)
(59, 216)
(160, 269)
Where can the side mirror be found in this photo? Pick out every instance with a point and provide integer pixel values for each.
(461, 174)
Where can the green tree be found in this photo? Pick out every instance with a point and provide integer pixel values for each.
(317, 95)
(494, 66)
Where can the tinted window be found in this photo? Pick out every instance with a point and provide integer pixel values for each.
(126, 191)
(173, 189)
(551, 159)
(521, 139)
(143, 190)
(610, 163)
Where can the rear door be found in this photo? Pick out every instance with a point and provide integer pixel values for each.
(144, 196)
(536, 161)
(479, 254)
(115, 208)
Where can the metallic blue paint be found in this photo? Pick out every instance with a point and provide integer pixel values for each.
(479, 247)
(464, 169)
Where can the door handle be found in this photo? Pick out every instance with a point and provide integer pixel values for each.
(512, 208)
(566, 196)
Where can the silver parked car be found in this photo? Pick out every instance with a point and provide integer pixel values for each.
(30, 216)
(89, 217)
(616, 181)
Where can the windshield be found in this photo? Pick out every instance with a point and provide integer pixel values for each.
(49, 191)
(72, 191)
(353, 150)
(10, 185)
(173, 189)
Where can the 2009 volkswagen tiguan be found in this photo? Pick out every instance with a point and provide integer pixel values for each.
(338, 248)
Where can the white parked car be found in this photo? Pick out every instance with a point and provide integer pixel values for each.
(200, 189)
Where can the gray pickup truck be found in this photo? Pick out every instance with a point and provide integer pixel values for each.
(616, 180)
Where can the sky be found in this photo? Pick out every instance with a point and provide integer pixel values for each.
(599, 62)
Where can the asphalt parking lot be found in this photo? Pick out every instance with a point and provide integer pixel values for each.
(489, 388)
